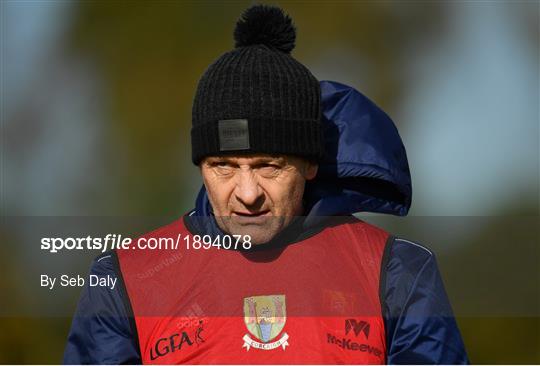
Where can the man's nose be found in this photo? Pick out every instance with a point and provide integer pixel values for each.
(247, 188)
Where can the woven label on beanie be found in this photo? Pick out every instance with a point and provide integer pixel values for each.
(233, 134)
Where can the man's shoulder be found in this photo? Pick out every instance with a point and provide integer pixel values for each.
(349, 234)
(409, 253)
(403, 261)
(397, 252)
(359, 228)
(103, 264)
(399, 247)
(175, 227)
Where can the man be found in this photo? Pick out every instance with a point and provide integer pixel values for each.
(272, 267)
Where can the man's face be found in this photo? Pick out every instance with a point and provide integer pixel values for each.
(256, 195)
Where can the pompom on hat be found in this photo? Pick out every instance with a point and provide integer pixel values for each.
(257, 98)
(266, 25)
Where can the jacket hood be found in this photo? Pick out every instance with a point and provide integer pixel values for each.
(365, 166)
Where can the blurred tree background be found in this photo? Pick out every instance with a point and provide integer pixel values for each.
(96, 109)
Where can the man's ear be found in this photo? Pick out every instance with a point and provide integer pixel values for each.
(311, 170)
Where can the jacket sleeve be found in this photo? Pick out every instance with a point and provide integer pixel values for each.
(101, 330)
(420, 325)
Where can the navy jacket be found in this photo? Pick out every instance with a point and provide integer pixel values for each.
(365, 170)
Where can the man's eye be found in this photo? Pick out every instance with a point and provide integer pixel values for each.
(223, 168)
(220, 164)
(268, 169)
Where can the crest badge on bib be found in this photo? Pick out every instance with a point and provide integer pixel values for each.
(265, 318)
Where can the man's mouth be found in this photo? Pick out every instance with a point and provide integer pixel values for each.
(244, 217)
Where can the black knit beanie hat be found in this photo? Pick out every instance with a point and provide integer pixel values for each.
(257, 98)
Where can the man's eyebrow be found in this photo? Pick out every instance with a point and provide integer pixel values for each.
(276, 159)
(218, 159)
